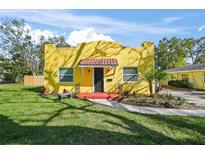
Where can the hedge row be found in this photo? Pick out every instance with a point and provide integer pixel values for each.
(180, 83)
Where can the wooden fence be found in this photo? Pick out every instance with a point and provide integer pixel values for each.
(34, 80)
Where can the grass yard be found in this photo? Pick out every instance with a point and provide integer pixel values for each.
(28, 118)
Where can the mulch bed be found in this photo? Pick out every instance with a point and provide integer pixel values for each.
(160, 102)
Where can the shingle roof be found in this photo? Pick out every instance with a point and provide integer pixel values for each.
(99, 62)
(188, 68)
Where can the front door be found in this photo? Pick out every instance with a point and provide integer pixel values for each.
(98, 80)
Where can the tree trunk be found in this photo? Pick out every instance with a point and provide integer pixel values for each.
(150, 88)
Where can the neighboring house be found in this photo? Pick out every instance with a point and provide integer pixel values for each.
(97, 67)
(195, 74)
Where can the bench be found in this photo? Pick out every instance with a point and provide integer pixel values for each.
(64, 95)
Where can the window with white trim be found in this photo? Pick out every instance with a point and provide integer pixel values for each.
(65, 74)
(130, 74)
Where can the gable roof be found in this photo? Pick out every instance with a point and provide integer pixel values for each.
(193, 67)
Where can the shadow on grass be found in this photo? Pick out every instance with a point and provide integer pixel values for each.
(180, 122)
(13, 133)
(37, 90)
(33, 89)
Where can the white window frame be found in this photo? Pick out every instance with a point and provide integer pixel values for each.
(67, 75)
(132, 67)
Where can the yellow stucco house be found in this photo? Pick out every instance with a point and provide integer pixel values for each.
(98, 66)
(195, 74)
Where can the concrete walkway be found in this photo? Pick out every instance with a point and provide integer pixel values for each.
(192, 96)
(148, 110)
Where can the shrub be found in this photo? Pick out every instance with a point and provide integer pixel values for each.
(126, 93)
(181, 100)
(168, 96)
(154, 101)
(44, 91)
(54, 93)
(73, 94)
(180, 83)
(65, 91)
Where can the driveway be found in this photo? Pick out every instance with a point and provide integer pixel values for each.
(192, 96)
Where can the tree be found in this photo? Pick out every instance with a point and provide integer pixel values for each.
(175, 52)
(13, 65)
(19, 49)
(191, 53)
(195, 50)
(152, 75)
(58, 40)
(17, 42)
(170, 53)
(12, 70)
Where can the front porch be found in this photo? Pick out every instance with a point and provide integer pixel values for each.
(98, 95)
(100, 69)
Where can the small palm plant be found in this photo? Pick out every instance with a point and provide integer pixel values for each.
(152, 75)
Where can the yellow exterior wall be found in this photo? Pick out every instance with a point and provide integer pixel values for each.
(195, 77)
(142, 57)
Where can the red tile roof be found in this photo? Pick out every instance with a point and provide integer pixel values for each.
(99, 62)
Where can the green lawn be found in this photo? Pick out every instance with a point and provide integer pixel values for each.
(28, 118)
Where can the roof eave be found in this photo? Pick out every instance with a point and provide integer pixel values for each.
(97, 66)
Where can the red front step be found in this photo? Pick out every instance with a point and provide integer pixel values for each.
(98, 95)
